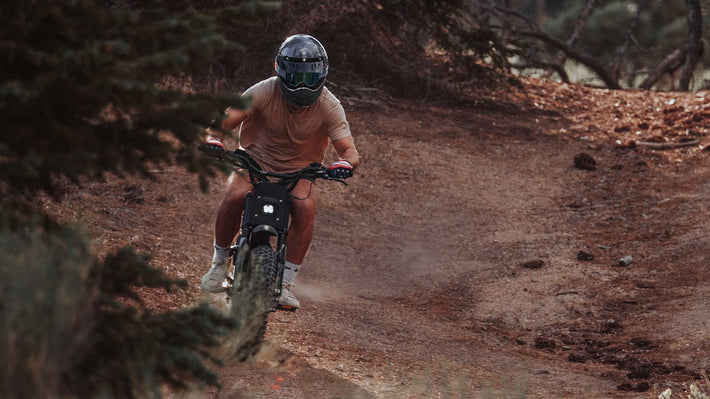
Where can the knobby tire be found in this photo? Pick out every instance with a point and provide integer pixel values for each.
(253, 299)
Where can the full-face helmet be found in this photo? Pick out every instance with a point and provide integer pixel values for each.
(302, 65)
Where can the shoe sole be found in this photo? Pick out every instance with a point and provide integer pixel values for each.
(287, 307)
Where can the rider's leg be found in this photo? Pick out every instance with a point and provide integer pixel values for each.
(300, 233)
(229, 216)
(229, 213)
(303, 213)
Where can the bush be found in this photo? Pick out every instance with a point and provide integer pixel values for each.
(81, 95)
(71, 326)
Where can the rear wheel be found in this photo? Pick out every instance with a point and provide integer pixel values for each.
(252, 299)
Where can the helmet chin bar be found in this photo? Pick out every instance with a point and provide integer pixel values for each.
(300, 97)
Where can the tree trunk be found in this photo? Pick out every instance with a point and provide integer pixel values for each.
(672, 62)
(695, 44)
(535, 32)
(620, 52)
(578, 28)
(584, 58)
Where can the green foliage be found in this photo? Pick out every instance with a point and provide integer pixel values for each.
(607, 28)
(41, 268)
(81, 92)
(674, 31)
(561, 23)
(122, 271)
(661, 26)
(64, 333)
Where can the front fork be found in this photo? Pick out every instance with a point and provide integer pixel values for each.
(239, 253)
(281, 264)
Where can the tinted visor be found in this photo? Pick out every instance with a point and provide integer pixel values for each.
(296, 79)
(301, 72)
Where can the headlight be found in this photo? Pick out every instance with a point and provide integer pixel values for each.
(268, 209)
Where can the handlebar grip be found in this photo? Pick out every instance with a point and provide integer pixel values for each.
(212, 150)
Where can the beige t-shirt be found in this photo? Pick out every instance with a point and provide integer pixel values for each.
(285, 141)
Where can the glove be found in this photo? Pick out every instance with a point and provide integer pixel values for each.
(341, 169)
(215, 141)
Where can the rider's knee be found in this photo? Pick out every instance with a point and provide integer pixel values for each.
(304, 208)
(237, 190)
(235, 199)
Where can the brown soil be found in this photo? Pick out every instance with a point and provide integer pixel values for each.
(470, 257)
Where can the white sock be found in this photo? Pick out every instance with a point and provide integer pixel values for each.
(290, 272)
(220, 254)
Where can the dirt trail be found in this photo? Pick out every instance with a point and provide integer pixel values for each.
(415, 284)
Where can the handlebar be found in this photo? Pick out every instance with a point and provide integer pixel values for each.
(240, 159)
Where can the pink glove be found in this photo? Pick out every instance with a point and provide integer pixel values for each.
(341, 169)
(215, 141)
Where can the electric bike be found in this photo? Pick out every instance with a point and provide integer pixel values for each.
(259, 254)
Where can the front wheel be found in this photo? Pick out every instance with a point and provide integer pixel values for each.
(252, 299)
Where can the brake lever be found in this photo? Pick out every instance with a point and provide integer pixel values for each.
(323, 173)
(336, 179)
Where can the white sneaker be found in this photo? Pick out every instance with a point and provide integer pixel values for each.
(287, 300)
(213, 280)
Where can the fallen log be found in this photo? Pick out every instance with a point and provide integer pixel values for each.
(667, 146)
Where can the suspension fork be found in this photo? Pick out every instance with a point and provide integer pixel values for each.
(281, 248)
(239, 252)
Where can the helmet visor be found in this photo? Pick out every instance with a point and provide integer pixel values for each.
(298, 79)
(308, 73)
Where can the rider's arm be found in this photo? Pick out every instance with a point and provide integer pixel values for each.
(234, 118)
(345, 147)
(255, 97)
(216, 135)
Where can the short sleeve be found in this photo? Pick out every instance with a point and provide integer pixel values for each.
(338, 126)
(257, 95)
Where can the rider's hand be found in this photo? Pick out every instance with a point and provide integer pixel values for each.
(341, 169)
(215, 141)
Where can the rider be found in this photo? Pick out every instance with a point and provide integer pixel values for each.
(291, 120)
